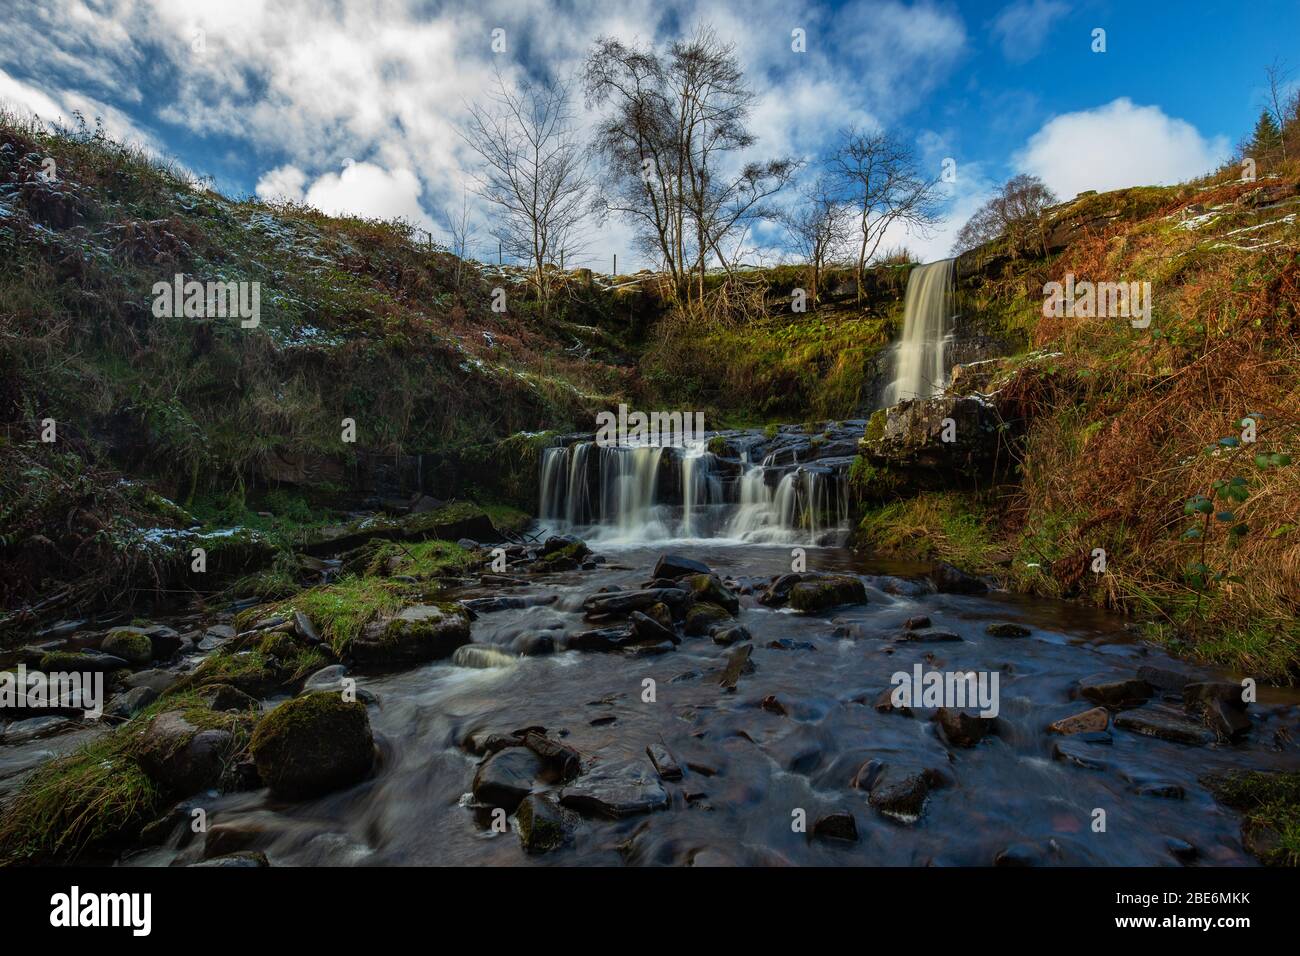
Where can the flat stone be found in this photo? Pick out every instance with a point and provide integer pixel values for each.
(737, 662)
(1090, 721)
(615, 793)
(676, 566)
(1165, 724)
(1110, 692)
(664, 763)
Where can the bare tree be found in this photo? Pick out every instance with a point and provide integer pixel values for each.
(461, 230)
(676, 119)
(533, 170)
(878, 173)
(818, 227)
(1016, 211)
(1278, 76)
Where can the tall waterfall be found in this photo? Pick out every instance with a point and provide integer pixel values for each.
(648, 493)
(919, 369)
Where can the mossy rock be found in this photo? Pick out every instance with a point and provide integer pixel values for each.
(278, 644)
(701, 617)
(132, 644)
(313, 745)
(420, 633)
(709, 589)
(69, 661)
(249, 671)
(822, 594)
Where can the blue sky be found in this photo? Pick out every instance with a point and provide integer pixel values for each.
(353, 106)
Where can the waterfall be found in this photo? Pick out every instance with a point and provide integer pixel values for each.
(647, 493)
(919, 370)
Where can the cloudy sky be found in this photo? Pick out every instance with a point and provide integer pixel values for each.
(353, 106)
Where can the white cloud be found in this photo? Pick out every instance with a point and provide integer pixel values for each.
(1117, 145)
(364, 189)
(1022, 27)
(284, 182)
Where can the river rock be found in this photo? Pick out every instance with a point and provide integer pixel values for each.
(962, 728)
(506, 777)
(543, 826)
(181, 758)
(728, 634)
(1220, 706)
(840, 825)
(615, 792)
(738, 663)
(884, 703)
(158, 679)
(813, 596)
(664, 763)
(126, 705)
(129, 643)
(899, 792)
(1166, 724)
(676, 566)
(312, 745)
(561, 761)
(601, 639)
(1115, 693)
(1006, 629)
(420, 633)
(701, 618)
(649, 630)
(930, 635)
(916, 623)
(625, 602)
(86, 662)
(36, 728)
(1081, 751)
(223, 697)
(951, 580)
(709, 589)
(1090, 721)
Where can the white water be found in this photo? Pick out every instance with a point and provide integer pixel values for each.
(767, 504)
(919, 369)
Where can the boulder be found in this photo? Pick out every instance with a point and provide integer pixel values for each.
(615, 793)
(1089, 722)
(934, 442)
(1165, 724)
(962, 728)
(312, 745)
(1108, 691)
(506, 777)
(709, 589)
(701, 618)
(419, 633)
(126, 705)
(542, 824)
(676, 566)
(649, 630)
(823, 592)
(181, 758)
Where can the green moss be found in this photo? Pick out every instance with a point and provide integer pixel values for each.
(718, 445)
(128, 644)
(875, 429)
(1270, 808)
(340, 611)
(934, 526)
(507, 518)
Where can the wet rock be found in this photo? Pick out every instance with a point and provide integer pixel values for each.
(1158, 788)
(701, 618)
(962, 728)
(1078, 751)
(950, 580)
(1006, 629)
(1109, 692)
(737, 664)
(506, 777)
(305, 629)
(601, 639)
(709, 589)
(664, 763)
(785, 644)
(1162, 679)
(534, 645)
(223, 698)
(615, 793)
(930, 636)
(312, 745)
(914, 442)
(181, 758)
(36, 728)
(1165, 724)
(1090, 721)
(652, 650)
(327, 678)
(625, 602)
(129, 643)
(826, 592)
(916, 623)
(773, 705)
(420, 633)
(157, 679)
(561, 761)
(728, 634)
(543, 826)
(899, 792)
(491, 605)
(778, 592)
(649, 630)
(839, 825)
(87, 662)
(1220, 707)
(128, 704)
(676, 566)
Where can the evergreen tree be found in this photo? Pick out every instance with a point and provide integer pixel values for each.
(1267, 138)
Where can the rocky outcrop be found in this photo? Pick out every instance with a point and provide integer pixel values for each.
(934, 442)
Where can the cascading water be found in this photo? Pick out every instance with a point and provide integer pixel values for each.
(919, 369)
(649, 493)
